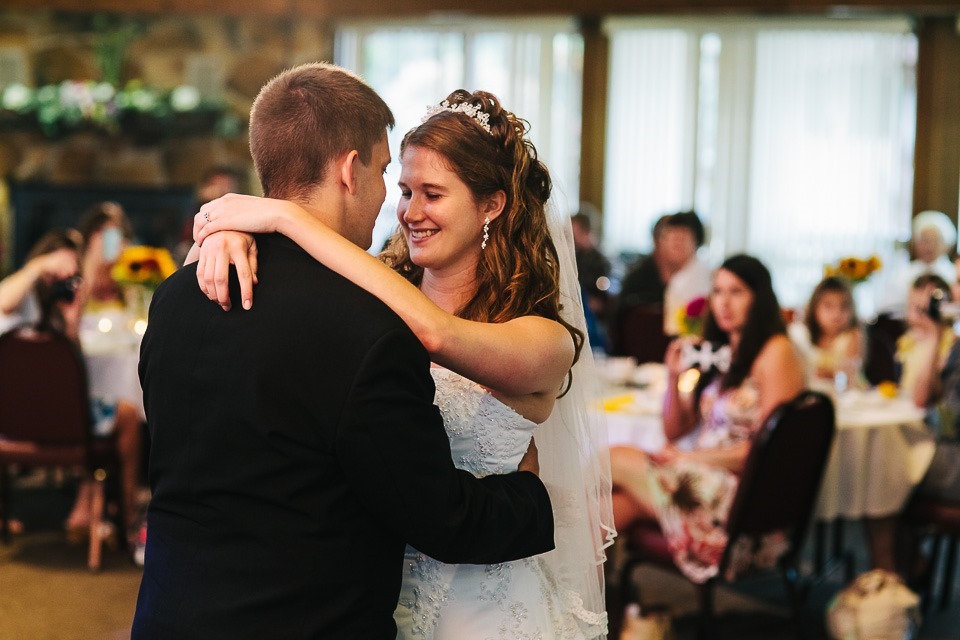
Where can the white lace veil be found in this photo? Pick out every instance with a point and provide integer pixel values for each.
(575, 465)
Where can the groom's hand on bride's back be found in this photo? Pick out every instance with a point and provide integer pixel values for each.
(530, 462)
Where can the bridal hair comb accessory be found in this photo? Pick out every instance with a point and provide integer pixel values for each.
(473, 111)
(486, 233)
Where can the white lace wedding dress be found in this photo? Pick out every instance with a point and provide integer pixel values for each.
(516, 600)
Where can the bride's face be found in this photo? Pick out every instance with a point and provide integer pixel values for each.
(440, 219)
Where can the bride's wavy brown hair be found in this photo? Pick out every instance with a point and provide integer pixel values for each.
(518, 273)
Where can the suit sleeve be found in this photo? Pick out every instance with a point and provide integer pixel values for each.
(395, 454)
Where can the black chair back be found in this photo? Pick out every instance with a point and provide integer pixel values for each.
(881, 336)
(782, 474)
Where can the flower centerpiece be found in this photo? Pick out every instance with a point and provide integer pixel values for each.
(139, 271)
(854, 270)
(691, 316)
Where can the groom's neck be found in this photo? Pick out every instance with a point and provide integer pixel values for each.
(327, 211)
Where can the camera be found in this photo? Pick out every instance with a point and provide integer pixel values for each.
(66, 290)
(941, 308)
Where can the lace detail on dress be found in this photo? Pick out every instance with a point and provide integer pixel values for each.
(517, 600)
(429, 594)
(475, 422)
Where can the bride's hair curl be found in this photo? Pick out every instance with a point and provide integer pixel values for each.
(518, 273)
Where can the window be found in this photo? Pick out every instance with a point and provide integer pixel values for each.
(535, 67)
(794, 141)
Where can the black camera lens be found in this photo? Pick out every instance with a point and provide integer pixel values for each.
(66, 290)
(933, 310)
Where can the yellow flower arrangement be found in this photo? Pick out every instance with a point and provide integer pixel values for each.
(854, 269)
(143, 266)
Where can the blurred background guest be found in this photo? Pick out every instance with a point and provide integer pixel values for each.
(47, 292)
(922, 351)
(646, 279)
(593, 272)
(106, 231)
(830, 336)
(933, 237)
(689, 491)
(683, 234)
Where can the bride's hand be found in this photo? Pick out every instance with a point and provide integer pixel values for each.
(236, 212)
(213, 267)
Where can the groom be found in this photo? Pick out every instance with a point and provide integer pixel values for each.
(295, 446)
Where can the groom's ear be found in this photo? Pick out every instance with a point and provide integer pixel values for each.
(348, 171)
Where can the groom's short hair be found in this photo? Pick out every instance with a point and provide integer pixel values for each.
(307, 117)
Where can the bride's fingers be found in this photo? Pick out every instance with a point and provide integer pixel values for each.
(241, 258)
(201, 267)
(222, 280)
(202, 218)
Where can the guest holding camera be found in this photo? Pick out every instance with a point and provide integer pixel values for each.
(689, 491)
(45, 288)
(48, 291)
(922, 351)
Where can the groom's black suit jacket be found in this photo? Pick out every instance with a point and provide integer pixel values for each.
(295, 450)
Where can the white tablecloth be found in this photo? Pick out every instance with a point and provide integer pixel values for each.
(112, 357)
(881, 450)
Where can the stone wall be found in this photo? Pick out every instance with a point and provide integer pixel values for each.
(244, 52)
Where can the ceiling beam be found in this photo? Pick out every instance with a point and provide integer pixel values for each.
(409, 8)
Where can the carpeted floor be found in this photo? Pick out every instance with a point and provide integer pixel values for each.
(47, 592)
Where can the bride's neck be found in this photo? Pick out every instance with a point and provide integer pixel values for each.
(449, 291)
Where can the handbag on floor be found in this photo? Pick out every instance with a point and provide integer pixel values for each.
(877, 605)
(654, 625)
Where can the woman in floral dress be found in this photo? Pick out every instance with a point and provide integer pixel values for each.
(689, 489)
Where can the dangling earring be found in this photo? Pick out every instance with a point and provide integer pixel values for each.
(486, 233)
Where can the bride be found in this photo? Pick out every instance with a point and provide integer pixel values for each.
(474, 271)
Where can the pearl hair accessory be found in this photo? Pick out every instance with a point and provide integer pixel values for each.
(486, 233)
(481, 118)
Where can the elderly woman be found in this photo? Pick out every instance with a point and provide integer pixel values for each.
(933, 238)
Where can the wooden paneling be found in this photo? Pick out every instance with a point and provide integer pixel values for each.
(937, 156)
(592, 147)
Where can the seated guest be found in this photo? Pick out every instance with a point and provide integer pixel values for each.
(106, 230)
(593, 273)
(933, 237)
(47, 291)
(942, 480)
(830, 336)
(922, 354)
(683, 234)
(689, 492)
(646, 280)
(922, 351)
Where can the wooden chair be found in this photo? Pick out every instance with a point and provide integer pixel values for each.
(777, 491)
(639, 333)
(45, 419)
